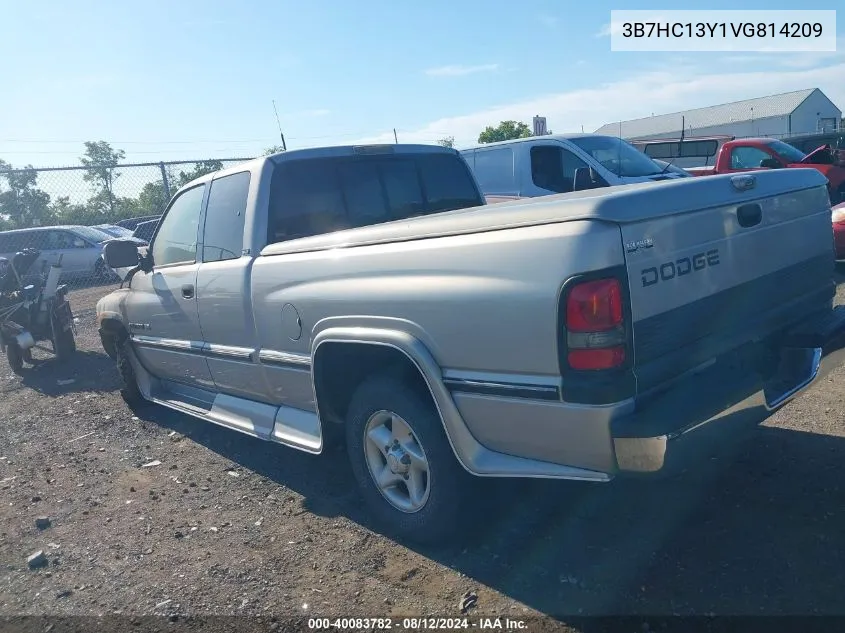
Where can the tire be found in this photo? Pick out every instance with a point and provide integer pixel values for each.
(429, 517)
(15, 357)
(129, 390)
(65, 345)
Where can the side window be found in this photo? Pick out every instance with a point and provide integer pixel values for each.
(224, 218)
(13, 243)
(553, 168)
(176, 240)
(747, 157)
(70, 240)
(55, 240)
(33, 239)
(494, 170)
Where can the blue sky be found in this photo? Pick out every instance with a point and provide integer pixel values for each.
(190, 79)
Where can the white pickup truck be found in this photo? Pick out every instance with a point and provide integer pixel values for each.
(368, 291)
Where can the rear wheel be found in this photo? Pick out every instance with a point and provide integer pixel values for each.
(403, 462)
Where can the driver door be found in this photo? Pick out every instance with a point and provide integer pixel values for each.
(748, 158)
(77, 255)
(162, 307)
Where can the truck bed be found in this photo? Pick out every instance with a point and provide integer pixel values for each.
(621, 205)
(700, 283)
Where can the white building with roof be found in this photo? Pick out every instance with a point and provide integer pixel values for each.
(799, 112)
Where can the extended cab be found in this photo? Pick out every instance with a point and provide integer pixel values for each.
(545, 165)
(369, 293)
(750, 154)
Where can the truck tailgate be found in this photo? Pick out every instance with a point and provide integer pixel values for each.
(755, 256)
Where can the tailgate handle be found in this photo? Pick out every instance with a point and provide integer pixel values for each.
(749, 215)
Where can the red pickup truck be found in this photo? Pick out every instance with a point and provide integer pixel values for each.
(750, 154)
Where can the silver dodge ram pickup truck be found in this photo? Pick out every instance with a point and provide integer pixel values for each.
(368, 291)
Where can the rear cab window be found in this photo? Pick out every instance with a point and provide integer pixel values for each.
(323, 195)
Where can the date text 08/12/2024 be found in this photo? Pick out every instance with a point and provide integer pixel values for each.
(416, 624)
(722, 29)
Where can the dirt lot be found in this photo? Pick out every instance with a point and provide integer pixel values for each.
(226, 524)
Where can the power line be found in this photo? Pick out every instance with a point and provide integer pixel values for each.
(125, 165)
(233, 141)
(219, 150)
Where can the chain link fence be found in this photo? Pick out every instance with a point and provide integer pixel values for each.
(67, 213)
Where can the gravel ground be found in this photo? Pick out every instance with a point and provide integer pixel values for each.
(167, 515)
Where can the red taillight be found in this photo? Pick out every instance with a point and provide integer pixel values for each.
(594, 306)
(595, 325)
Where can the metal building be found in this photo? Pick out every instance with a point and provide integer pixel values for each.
(799, 112)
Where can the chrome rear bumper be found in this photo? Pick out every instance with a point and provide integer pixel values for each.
(726, 399)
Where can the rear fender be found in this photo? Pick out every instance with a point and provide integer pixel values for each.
(475, 458)
(462, 442)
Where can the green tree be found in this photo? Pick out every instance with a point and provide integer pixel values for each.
(200, 169)
(102, 160)
(505, 131)
(449, 141)
(22, 203)
(275, 149)
(152, 199)
(67, 212)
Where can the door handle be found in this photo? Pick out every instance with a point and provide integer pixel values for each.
(188, 291)
(749, 215)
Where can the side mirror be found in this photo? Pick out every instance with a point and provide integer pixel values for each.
(121, 254)
(146, 263)
(771, 163)
(586, 178)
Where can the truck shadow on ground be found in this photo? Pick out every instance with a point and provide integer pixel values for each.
(751, 529)
(85, 372)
